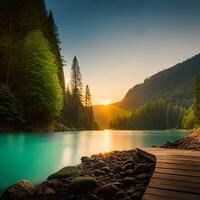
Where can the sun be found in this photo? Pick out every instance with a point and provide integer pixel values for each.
(106, 103)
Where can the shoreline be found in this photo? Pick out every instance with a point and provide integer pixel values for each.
(191, 142)
(114, 175)
(74, 130)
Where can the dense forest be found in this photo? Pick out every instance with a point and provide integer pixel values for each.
(32, 85)
(161, 114)
(174, 84)
(169, 99)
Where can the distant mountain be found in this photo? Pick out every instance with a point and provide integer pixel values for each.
(174, 84)
(104, 114)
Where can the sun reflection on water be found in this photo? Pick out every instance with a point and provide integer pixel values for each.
(107, 140)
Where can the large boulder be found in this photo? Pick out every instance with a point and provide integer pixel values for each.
(22, 190)
(66, 172)
(84, 184)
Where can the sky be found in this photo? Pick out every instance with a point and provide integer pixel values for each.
(119, 43)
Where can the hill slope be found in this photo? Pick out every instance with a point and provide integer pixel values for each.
(174, 84)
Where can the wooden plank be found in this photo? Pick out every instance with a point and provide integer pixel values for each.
(178, 162)
(176, 183)
(179, 188)
(176, 177)
(176, 166)
(154, 197)
(183, 158)
(172, 194)
(178, 172)
(190, 156)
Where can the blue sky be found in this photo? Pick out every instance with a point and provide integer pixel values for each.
(121, 42)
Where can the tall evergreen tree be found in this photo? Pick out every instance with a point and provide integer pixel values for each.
(76, 80)
(76, 91)
(88, 119)
(88, 101)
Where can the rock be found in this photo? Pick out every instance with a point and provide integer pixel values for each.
(105, 169)
(22, 190)
(84, 184)
(129, 181)
(120, 195)
(117, 169)
(127, 198)
(117, 184)
(129, 162)
(108, 190)
(99, 164)
(142, 168)
(72, 197)
(129, 172)
(85, 159)
(44, 191)
(92, 197)
(135, 197)
(143, 176)
(145, 182)
(66, 172)
(140, 189)
(99, 172)
(128, 166)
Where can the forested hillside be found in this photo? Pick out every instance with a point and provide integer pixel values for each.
(175, 85)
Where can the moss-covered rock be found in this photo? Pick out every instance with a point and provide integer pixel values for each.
(66, 172)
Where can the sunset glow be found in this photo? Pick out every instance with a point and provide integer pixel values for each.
(106, 103)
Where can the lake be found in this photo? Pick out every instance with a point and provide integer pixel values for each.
(34, 156)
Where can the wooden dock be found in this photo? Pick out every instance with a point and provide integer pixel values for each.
(176, 175)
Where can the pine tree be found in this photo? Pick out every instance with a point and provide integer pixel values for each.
(76, 81)
(88, 102)
(76, 91)
(88, 114)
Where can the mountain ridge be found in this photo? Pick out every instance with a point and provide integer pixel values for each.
(167, 84)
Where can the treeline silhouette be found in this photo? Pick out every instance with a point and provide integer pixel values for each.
(156, 114)
(78, 110)
(32, 85)
(160, 114)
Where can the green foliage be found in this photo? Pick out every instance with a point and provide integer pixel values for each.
(190, 120)
(10, 108)
(40, 90)
(157, 114)
(17, 20)
(175, 85)
(197, 98)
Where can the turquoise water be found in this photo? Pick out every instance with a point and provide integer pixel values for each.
(35, 156)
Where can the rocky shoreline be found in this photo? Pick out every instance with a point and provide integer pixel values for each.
(120, 175)
(192, 142)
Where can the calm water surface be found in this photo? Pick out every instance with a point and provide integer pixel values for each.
(35, 156)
